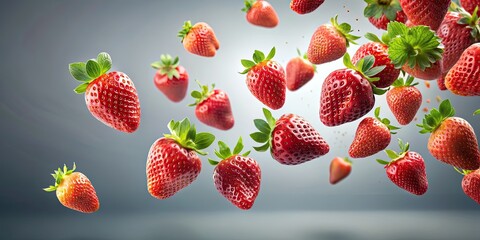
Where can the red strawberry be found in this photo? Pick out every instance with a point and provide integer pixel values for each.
(441, 83)
(407, 170)
(172, 162)
(404, 100)
(471, 184)
(266, 79)
(74, 190)
(291, 139)
(470, 5)
(199, 39)
(299, 72)
(260, 13)
(305, 6)
(464, 77)
(171, 78)
(340, 168)
(426, 12)
(453, 140)
(110, 97)
(237, 177)
(372, 136)
(381, 12)
(330, 42)
(429, 73)
(213, 107)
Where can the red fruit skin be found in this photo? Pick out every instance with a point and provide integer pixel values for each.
(404, 103)
(299, 72)
(295, 141)
(176, 88)
(464, 77)
(339, 170)
(380, 52)
(372, 136)
(113, 100)
(216, 111)
(441, 83)
(425, 12)
(201, 40)
(170, 168)
(305, 6)
(346, 97)
(471, 185)
(470, 5)
(431, 73)
(77, 192)
(266, 81)
(409, 173)
(327, 44)
(262, 14)
(383, 21)
(238, 178)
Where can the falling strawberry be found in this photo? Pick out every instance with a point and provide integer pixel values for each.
(266, 79)
(441, 83)
(404, 100)
(425, 12)
(237, 177)
(305, 6)
(172, 162)
(171, 78)
(74, 190)
(299, 71)
(340, 168)
(381, 12)
(471, 183)
(464, 77)
(110, 97)
(213, 107)
(291, 139)
(260, 13)
(199, 39)
(470, 5)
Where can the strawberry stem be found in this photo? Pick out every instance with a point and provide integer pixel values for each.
(59, 175)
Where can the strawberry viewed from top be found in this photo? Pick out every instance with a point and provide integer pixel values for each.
(464, 77)
(340, 168)
(260, 13)
(291, 139)
(381, 12)
(199, 39)
(299, 71)
(425, 12)
(110, 97)
(171, 78)
(305, 6)
(404, 100)
(471, 184)
(470, 5)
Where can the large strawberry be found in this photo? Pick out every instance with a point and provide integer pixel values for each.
(199, 39)
(261, 13)
(404, 100)
(110, 97)
(340, 168)
(330, 42)
(470, 5)
(453, 140)
(381, 12)
(299, 71)
(291, 139)
(464, 77)
(171, 78)
(471, 184)
(213, 107)
(172, 162)
(237, 177)
(305, 6)
(74, 190)
(266, 79)
(425, 12)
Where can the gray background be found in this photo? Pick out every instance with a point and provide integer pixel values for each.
(44, 125)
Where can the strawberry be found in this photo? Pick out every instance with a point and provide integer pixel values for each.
(426, 12)
(213, 107)
(453, 140)
(372, 136)
(404, 100)
(330, 42)
(299, 71)
(74, 190)
(470, 5)
(199, 39)
(305, 6)
(471, 184)
(406, 170)
(110, 97)
(237, 177)
(464, 77)
(381, 12)
(291, 139)
(441, 82)
(266, 79)
(260, 13)
(340, 168)
(171, 78)
(172, 162)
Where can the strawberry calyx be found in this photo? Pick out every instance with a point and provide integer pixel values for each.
(224, 151)
(385, 121)
(374, 38)
(345, 29)
(472, 20)
(59, 175)
(400, 82)
(90, 70)
(436, 116)
(476, 112)
(404, 147)
(203, 95)
(378, 8)
(265, 131)
(463, 171)
(187, 26)
(186, 135)
(365, 67)
(167, 66)
(304, 56)
(347, 160)
(248, 5)
(258, 57)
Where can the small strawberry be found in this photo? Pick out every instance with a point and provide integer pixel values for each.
(406, 170)
(453, 140)
(404, 100)
(426, 12)
(381, 12)
(172, 162)
(471, 183)
(74, 190)
(305, 6)
(213, 107)
(299, 71)
(470, 5)
(110, 97)
(291, 139)
(199, 39)
(464, 77)
(260, 13)
(237, 177)
(340, 168)
(330, 42)
(266, 79)
(171, 78)
(441, 83)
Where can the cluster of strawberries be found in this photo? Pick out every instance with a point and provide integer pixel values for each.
(422, 39)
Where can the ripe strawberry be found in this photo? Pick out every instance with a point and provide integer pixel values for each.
(441, 82)
(291, 139)
(266, 79)
(453, 140)
(305, 6)
(110, 97)
(260, 13)
(426, 12)
(172, 163)
(470, 5)
(213, 107)
(237, 177)
(471, 184)
(381, 12)
(171, 78)
(299, 71)
(74, 190)
(464, 77)
(199, 39)
(406, 170)
(340, 168)
(404, 100)
(330, 42)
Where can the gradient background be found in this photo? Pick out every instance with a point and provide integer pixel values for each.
(44, 125)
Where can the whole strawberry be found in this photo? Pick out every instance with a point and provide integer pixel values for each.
(260, 13)
(471, 184)
(404, 100)
(213, 108)
(74, 190)
(464, 77)
(330, 42)
(340, 168)
(470, 5)
(266, 79)
(291, 139)
(110, 97)
(172, 162)
(381, 12)
(299, 71)
(237, 177)
(171, 78)
(426, 12)
(199, 39)
(305, 6)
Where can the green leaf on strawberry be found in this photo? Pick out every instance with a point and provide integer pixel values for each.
(394, 156)
(89, 71)
(472, 20)
(378, 8)
(345, 29)
(200, 96)
(436, 116)
(385, 121)
(167, 66)
(258, 57)
(184, 133)
(224, 151)
(476, 112)
(58, 175)
(400, 82)
(365, 67)
(265, 131)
